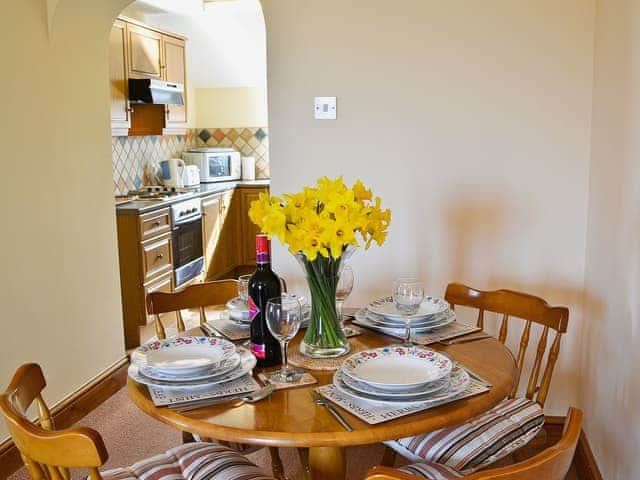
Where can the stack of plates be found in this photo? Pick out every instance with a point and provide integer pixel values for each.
(190, 362)
(382, 313)
(400, 375)
(239, 311)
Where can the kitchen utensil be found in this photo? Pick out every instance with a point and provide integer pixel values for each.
(320, 400)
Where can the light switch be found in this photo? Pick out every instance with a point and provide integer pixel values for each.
(326, 108)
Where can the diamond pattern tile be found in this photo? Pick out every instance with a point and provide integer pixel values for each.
(133, 156)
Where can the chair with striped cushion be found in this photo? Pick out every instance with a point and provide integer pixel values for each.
(50, 454)
(514, 422)
(550, 464)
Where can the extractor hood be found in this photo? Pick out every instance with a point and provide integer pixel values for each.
(145, 90)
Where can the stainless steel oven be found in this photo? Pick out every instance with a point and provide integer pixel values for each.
(188, 258)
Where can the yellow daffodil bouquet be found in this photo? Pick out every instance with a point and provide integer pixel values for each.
(322, 226)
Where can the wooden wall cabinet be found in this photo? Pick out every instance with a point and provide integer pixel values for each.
(139, 51)
(118, 84)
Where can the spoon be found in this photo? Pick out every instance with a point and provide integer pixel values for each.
(252, 397)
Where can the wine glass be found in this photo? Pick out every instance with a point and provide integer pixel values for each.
(243, 287)
(408, 294)
(284, 315)
(343, 290)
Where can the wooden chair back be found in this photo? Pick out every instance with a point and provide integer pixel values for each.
(47, 454)
(550, 464)
(525, 307)
(199, 295)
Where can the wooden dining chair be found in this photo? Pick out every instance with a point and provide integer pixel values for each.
(49, 454)
(196, 296)
(199, 296)
(519, 420)
(550, 464)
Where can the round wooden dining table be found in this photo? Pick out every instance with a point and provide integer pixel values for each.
(290, 418)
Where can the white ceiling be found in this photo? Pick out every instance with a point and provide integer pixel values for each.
(227, 39)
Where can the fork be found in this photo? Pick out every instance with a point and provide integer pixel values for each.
(320, 400)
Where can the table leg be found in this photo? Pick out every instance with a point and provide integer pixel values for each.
(327, 463)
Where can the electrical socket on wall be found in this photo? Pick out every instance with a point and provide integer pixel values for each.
(326, 108)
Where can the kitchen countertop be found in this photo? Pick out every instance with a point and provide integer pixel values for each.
(137, 207)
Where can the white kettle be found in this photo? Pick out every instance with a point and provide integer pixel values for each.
(172, 172)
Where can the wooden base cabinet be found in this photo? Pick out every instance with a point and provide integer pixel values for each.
(248, 229)
(145, 250)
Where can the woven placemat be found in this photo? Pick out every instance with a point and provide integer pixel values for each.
(329, 364)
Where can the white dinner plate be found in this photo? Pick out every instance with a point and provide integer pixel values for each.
(222, 369)
(184, 355)
(419, 392)
(397, 368)
(366, 318)
(386, 307)
(247, 363)
(458, 381)
(427, 323)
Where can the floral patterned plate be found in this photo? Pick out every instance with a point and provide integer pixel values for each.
(184, 355)
(222, 368)
(247, 363)
(458, 381)
(397, 368)
(386, 307)
(418, 392)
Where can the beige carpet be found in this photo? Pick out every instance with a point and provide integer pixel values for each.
(130, 435)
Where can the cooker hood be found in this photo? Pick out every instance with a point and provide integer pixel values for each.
(145, 90)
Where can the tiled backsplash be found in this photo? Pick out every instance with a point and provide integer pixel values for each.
(133, 156)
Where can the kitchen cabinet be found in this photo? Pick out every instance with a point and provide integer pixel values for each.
(139, 51)
(248, 229)
(219, 235)
(145, 250)
(145, 52)
(175, 71)
(119, 94)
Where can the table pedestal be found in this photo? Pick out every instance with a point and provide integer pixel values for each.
(327, 463)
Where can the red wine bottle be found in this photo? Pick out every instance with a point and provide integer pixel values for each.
(263, 286)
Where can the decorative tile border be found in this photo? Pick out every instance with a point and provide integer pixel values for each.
(250, 142)
(132, 156)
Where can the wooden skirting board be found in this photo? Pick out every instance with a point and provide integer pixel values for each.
(72, 409)
(92, 395)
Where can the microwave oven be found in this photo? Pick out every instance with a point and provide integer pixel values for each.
(215, 164)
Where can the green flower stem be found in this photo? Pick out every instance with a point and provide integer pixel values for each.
(324, 328)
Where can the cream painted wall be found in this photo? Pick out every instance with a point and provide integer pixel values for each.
(231, 107)
(59, 283)
(611, 351)
(470, 119)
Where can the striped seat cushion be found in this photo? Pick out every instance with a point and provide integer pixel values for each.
(431, 471)
(192, 461)
(479, 442)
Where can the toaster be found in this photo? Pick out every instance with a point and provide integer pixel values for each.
(191, 176)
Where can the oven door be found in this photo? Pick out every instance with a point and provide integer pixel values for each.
(188, 260)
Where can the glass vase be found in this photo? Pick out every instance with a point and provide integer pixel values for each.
(325, 337)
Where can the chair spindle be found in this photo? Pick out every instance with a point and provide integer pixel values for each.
(535, 371)
(203, 316)
(180, 321)
(44, 415)
(524, 343)
(503, 328)
(160, 332)
(548, 371)
(480, 322)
